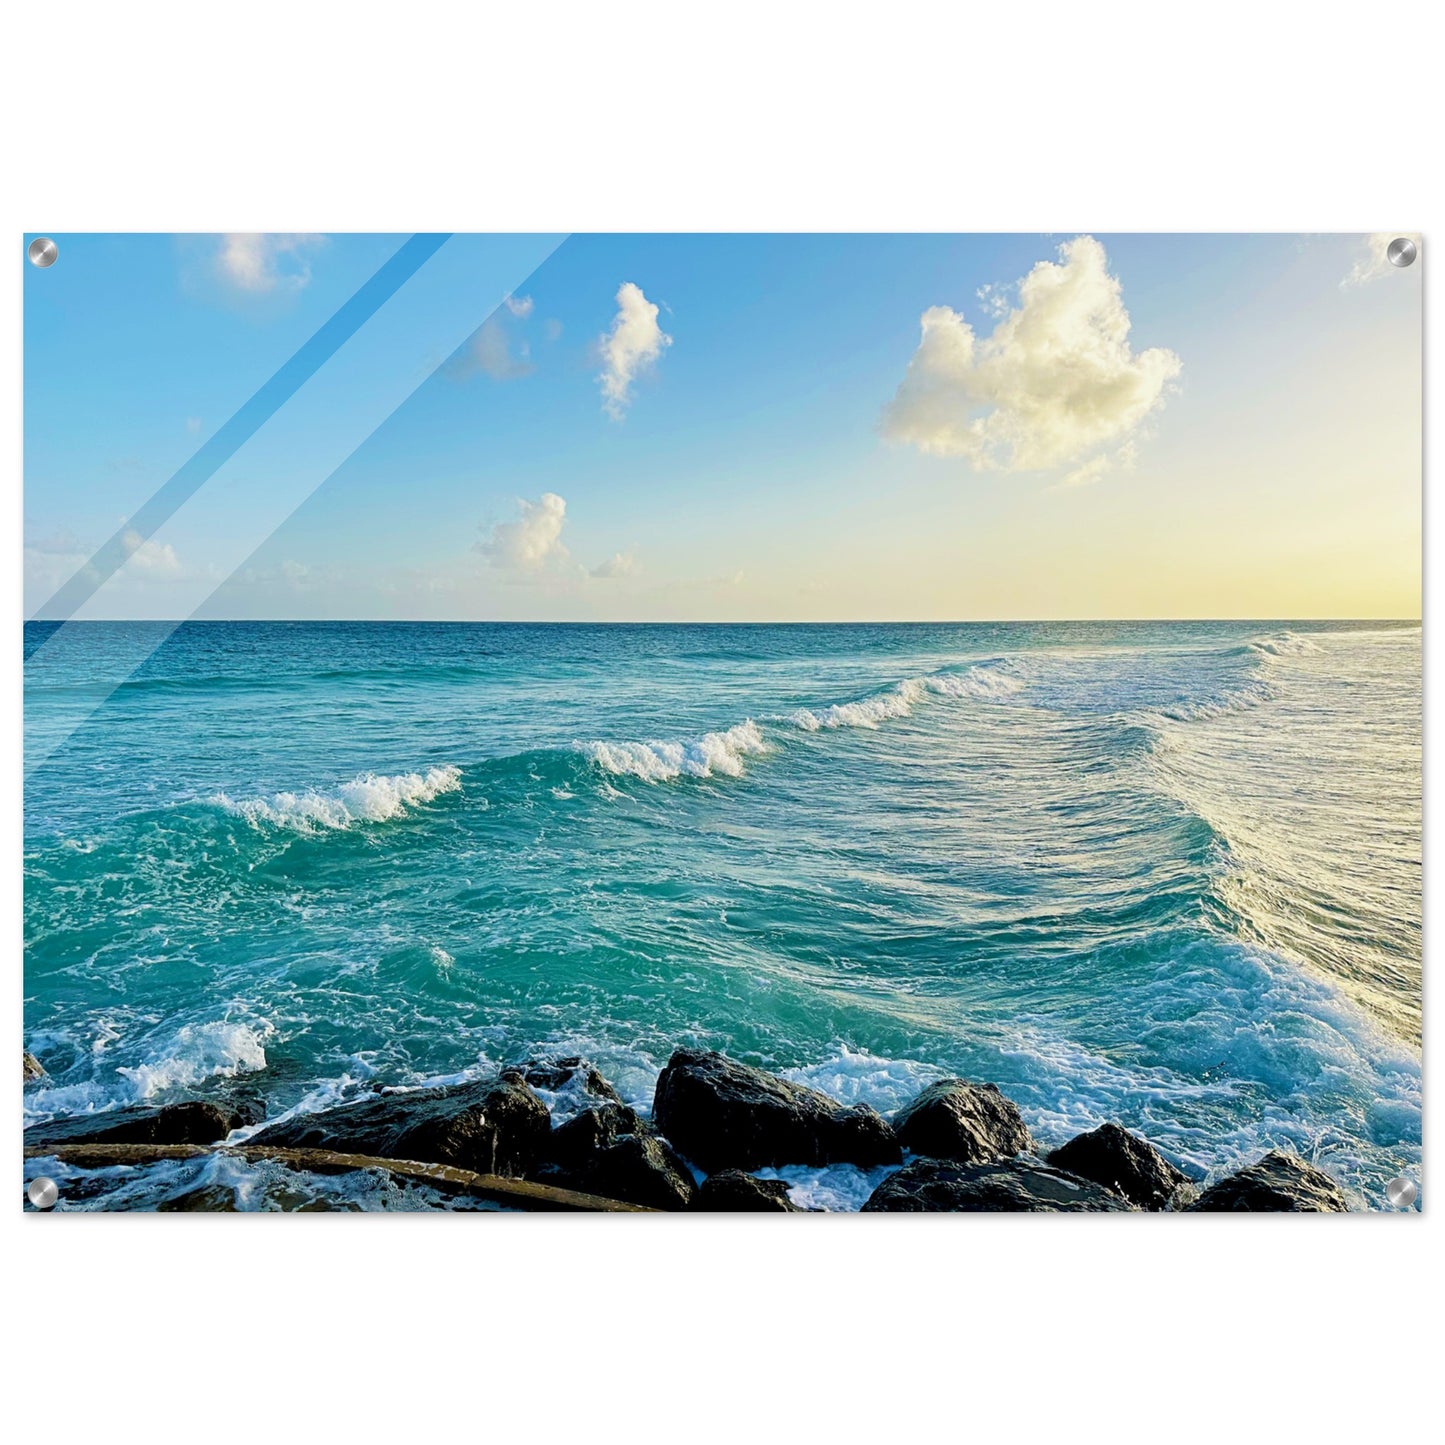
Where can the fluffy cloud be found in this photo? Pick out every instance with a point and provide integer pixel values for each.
(620, 564)
(1373, 260)
(632, 345)
(260, 263)
(1055, 382)
(154, 559)
(533, 541)
(519, 306)
(492, 352)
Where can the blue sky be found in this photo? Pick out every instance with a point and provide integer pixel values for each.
(1093, 426)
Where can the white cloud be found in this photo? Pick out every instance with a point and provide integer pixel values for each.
(519, 306)
(533, 541)
(620, 564)
(1054, 382)
(60, 543)
(492, 352)
(1373, 260)
(993, 299)
(259, 263)
(155, 559)
(50, 562)
(632, 345)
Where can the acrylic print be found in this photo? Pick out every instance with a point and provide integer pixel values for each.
(696, 723)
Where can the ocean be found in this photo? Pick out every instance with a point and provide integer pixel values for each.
(1165, 874)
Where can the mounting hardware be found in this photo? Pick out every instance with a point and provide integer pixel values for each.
(1402, 1191)
(1401, 251)
(42, 1192)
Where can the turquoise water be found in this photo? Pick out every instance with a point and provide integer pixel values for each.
(1164, 874)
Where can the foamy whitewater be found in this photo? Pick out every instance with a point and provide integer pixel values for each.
(1161, 874)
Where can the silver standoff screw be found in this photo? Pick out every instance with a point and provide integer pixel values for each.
(43, 251)
(42, 1192)
(1401, 251)
(1402, 1191)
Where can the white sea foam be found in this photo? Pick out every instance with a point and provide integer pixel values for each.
(246, 1185)
(837, 1188)
(1287, 644)
(894, 702)
(194, 1054)
(1260, 1026)
(369, 798)
(984, 682)
(854, 1076)
(1240, 699)
(723, 752)
(326, 1094)
(657, 762)
(199, 1052)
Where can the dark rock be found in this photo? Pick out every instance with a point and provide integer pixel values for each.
(610, 1151)
(726, 1115)
(574, 1143)
(967, 1123)
(491, 1127)
(554, 1074)
(1013, 1186)
(733, 1192)
(34, 1069)
(190, 1123)
(1123, 1162)
(1279, 1183)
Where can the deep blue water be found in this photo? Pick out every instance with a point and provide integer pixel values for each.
(1165, 874)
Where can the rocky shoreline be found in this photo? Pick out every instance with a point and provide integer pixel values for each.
(959, 1147)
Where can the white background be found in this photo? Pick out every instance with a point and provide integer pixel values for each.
(1042, 116)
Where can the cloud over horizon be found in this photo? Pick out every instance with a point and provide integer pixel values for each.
(531, 542)
(620, 564)
(633, 345)
(1055, 382)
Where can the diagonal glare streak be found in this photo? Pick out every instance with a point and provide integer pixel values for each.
(61, 651)
(243, 425)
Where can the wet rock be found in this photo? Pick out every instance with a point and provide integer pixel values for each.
(1123, 1162)
(967, 1123)
(196, 1122)
(610, 1151)
(34, 1069)
(725, 1115)
(1279, 1183)
(1012, 1186)
(556, 1074)
(733, 1192)
(491, 1127)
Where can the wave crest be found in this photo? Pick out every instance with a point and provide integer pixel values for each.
(1287, 644)
(656, 762)
(1241, 699)
(368, 798)
(984, 682)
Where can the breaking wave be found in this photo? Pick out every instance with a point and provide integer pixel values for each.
(984, 682)
(1287, 644)
(192, 1055)
(1240, 699)
(656, 762)
(366, 799)
(722, 753)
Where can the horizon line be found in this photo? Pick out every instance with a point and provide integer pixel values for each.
(697, 622)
